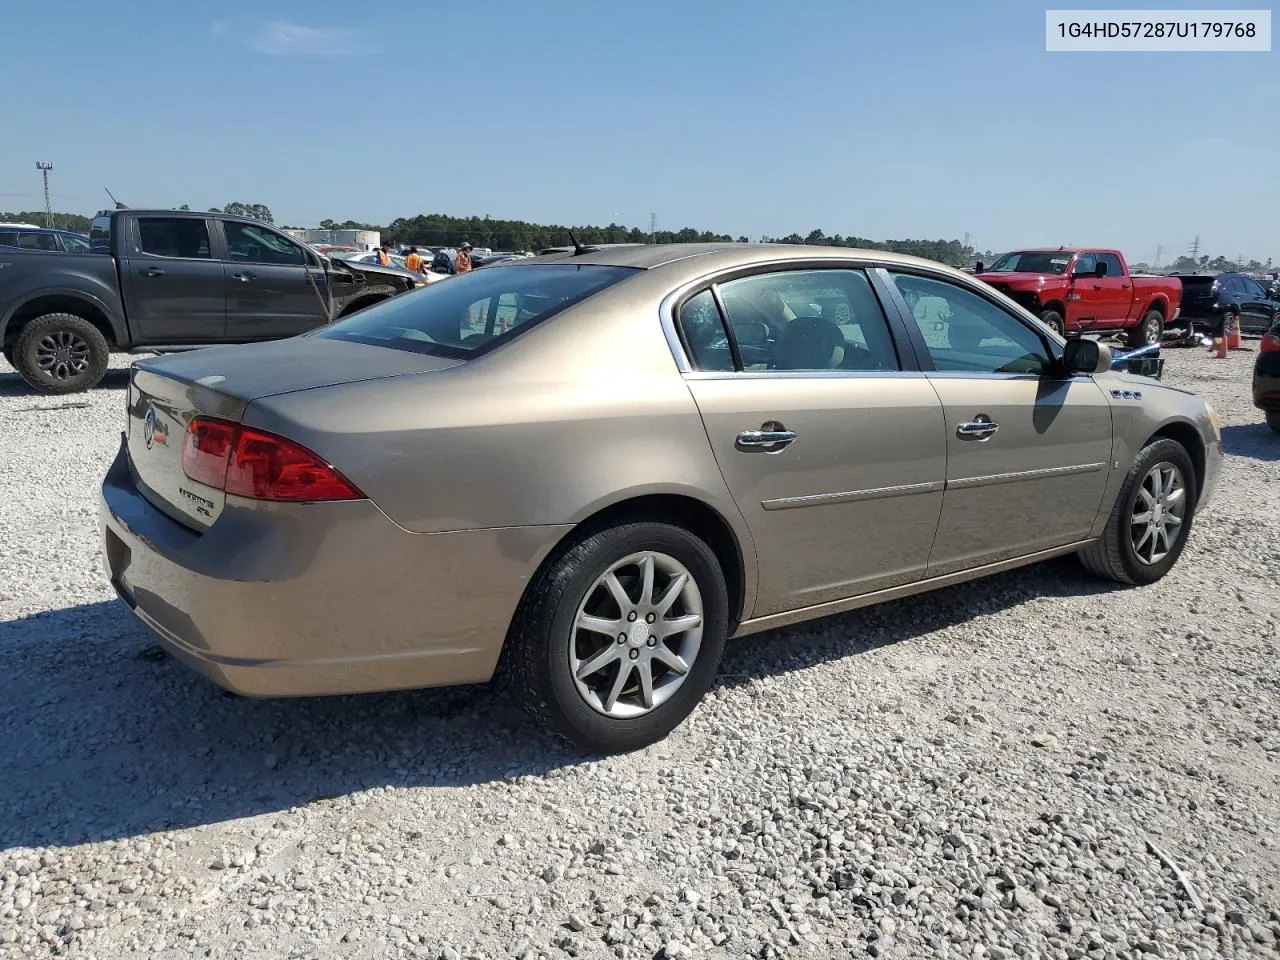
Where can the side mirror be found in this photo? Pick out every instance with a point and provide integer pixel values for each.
(1081, 356)
(1100, 269)
(979, 267)
(751, 334)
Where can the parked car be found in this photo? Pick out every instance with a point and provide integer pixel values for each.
(1266, 377)
(40, 239)
(1090, 290)
(398, 261)
(173, 280)
(1209, 299)
(626, 476)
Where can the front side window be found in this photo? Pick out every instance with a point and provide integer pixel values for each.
(964, 332)
(1085, 263)
(1252, 289)
(809, 320)
(247, 243)
(1114, 269)
(473, 310)
(182, 237)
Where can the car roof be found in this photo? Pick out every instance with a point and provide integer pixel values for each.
(718, 255)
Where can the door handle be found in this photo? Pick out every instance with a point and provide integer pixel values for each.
(1124, 286)
(765, 438)
(979, 429)
(153, 272)
(242, 277)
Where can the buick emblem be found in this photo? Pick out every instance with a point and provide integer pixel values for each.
(152, 431)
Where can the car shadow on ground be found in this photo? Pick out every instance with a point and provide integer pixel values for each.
(1254, 440)
(104, 741)
(12, 385)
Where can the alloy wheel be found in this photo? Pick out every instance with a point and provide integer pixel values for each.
(1158, 513)
(636, 635)
(62, 354)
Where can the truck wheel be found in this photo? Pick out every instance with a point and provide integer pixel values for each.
(61, 353)
(1148, 331)
(1053, 320)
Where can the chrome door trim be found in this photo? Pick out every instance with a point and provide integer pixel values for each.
(850, 496)
(801, 374)
(967, 482)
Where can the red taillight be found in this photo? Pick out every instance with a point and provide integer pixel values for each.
(1270, 343)
(259, 465)
(206, 450)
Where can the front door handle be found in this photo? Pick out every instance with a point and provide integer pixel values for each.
(774, 439)
(242, 277)
(980, 428)
(153, 272)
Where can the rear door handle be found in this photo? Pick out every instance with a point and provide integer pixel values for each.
(152, 272)
(242, 277)
(980, 429)
(776, 439)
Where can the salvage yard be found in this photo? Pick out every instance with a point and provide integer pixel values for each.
(1037, 764)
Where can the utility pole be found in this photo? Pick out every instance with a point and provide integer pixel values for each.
(653, 228)
(44, 166)
(1195, 248)
(1159, 253)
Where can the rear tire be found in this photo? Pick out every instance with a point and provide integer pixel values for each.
(61, 353)
(1123, 553)
(1148, 331)
(1053, 320)
(601, 710)
(1273, 420)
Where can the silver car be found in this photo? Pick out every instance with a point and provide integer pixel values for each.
(587, 470)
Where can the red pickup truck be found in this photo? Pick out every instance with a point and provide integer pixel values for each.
(1074, 291)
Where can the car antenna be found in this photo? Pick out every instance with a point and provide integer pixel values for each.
(119, 205)
(578, 249)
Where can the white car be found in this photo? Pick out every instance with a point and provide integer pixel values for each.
(396, 260)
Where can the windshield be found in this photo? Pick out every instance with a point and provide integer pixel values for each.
(1032, 261)
(466, 313)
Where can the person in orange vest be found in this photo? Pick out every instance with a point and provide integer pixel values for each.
(414, 262)
(463, 263)
(384, 254)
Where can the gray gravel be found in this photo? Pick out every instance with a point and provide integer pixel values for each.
(985, 772)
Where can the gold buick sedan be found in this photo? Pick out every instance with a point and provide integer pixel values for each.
(586, 470)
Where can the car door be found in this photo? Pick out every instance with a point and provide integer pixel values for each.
(172, 285)
(269, 294)
(1028, 453)
(1116, 295)
(1256, 309)
(1087, 296)
(833, 452)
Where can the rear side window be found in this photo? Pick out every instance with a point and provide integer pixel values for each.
(181, 237)
(100, 235)
(38, 241)
(704, 333)
(475, 310)
(75, 244)
(8, 238)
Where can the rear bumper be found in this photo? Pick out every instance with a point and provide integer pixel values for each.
(308, 599)
(1266, 381)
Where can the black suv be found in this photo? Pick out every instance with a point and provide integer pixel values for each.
(1208, 300)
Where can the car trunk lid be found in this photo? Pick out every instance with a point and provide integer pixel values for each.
(167, 393)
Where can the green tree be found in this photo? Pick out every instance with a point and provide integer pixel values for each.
(255, 211)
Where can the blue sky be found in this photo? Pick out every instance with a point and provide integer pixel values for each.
(884, 120)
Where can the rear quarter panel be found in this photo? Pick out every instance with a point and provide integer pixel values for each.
(582, 412)
(1165, 293)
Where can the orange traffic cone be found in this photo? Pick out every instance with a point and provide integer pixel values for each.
(1233, 332)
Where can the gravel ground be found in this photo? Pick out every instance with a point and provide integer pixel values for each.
(1035, 765)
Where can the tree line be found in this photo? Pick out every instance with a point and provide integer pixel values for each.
(441, 230)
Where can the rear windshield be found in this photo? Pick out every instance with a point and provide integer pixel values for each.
(464, 314)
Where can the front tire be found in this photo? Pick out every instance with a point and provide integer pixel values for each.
(1273, 420)
(621, 636)
(1151, 519)
(61, 353)
(1053, 320)
(1148, 331)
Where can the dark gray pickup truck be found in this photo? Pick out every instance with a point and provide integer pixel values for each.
(164, 280)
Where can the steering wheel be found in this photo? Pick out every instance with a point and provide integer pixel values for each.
(860, 358)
